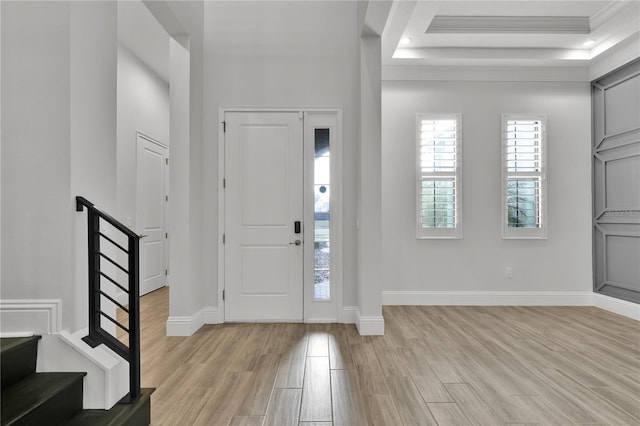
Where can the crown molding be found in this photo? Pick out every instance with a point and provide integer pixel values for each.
(606, 13)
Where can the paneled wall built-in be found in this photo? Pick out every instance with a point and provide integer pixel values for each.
(616, 183)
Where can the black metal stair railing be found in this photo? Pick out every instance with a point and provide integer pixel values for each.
(97, 335)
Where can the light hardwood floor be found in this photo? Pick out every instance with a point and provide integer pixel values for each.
(435, 365)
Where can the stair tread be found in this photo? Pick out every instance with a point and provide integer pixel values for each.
(8, 344)
(32, 391)
(117, 415)
(17, 359)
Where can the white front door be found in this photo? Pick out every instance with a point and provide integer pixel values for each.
(263, 202)
(151, 217)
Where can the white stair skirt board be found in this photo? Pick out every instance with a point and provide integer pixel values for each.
(617, 306)
(30, 316)
(9, 335)
(107, 379)
(511, 298)
(187, 325)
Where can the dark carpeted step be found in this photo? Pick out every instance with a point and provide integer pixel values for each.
(42, 399)
(17, 358)
(135, 414)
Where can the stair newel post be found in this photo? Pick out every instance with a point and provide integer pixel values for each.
(93, 236)
(134, 317)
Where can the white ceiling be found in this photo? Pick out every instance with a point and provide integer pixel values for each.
(542, 33)
(506, 33)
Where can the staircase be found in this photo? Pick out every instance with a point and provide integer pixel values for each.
(30, 398)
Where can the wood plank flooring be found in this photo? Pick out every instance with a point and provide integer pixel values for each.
(435, 365)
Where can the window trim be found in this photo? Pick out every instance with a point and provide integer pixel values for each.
(324, 310)
(439, 233)
(516, 232)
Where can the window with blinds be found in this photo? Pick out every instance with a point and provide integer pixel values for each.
(438, 189)
(523, 176)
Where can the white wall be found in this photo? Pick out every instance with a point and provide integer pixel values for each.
(281, 54)
(185, 292)
(562, 263)
(37, 210)
(93, 33)
(143, 106)
(184, 21)
(0, 149)
(58, 110)
(370, 241)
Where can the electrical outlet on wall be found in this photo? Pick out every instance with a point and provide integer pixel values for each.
(508, 272)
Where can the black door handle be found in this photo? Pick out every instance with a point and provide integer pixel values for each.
(296, 227)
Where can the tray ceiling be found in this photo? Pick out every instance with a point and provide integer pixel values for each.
(506, 33)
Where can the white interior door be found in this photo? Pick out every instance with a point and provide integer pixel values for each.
(263, 200)
(151, 214)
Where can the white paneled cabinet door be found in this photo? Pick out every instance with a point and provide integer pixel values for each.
(263, 201)
(151, 213)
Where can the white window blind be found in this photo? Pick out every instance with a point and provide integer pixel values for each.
(438, 189)
(523, 176)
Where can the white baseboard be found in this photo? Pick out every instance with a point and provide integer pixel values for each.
(617, 306)
(487, 298)
(370, 325)
(349, 315)
(210, 316)
(512, 298)
(366, 325)
(122, 298)
(186, 326)
(320, 320)
(30, 316)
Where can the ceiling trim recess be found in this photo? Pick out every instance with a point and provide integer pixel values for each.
(510, 25)
(501, 74)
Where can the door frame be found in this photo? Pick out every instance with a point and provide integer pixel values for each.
(164, 146)
(335, 305)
